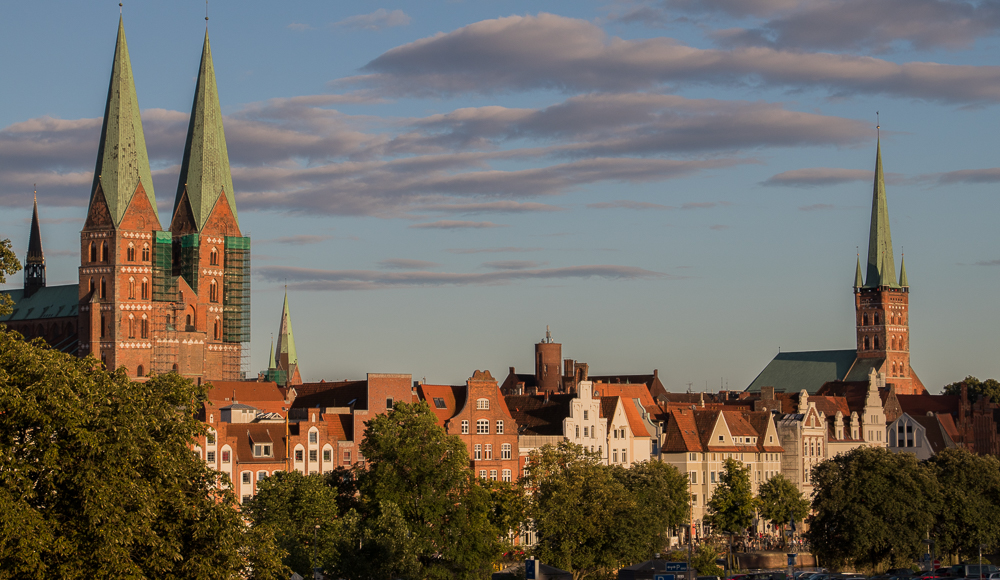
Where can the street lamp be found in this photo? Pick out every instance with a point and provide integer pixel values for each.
(315, 567)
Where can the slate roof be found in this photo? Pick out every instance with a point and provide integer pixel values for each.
(332, 394)
(793, 371)
(914, 405)
(933, 431)
(536, 417)
(247, 434)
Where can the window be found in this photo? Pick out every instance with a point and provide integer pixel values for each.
(482, 474)
(499, 426)
(713, 477)
(104, 251)
(261, 475)
(130, 253)
(692, 456)
(439, 403)
(347, 457)
(131, 288)
(213, 291)
(262, 450)
(298, 456)
(614, 456)
(585, 415)
(493, 474)
(624, 460)
(225, 456)
(694, 499)
(313, 437)
(388, 403)
(482, 404)
(478, 452)
(505, 475)
(210, 438)
(93, 252)
(577, 431)
(210, 457)
(140, 371)
(131, 326)
(144, 327)
(693, 476)
(246, 477)
(145, 252)
(465, 427)
(505, 451)
(585, 431)
(489, 451)
(217, 329)
(483, 427)
(616, 433)
(313, 455)
(145, 289)
(327, 455)
(104, 288)
(213, 257)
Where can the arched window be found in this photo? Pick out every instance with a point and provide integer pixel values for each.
(93, 252)
(145, 288)
(865, 344)
(104, 251)
(482, 403)
(131, 326)
(217, 332)
(144, 327)
(213, 291)
(864, 319)
(174, 367)
(104, 287)
(130, 252)
(875, 317)
(188, 323)
(131, 288)
(213, 257)
(875, 343)
(91, 284)
(103, 325)
(140, 372)
(145, 252)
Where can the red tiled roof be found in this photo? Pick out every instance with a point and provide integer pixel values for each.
(914, 405)
(829, 405)
(248, 433)
(534, 416)
(948, 424)
(628, 390)
(451, 396)
(635, 422)
(266, 396)
(681, 433)
(339, 426)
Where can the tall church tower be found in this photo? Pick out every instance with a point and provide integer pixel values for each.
(115, 269)
(34, 263)
(881, 302)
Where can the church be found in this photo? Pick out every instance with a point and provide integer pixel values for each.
(150, 300)
(882, 322)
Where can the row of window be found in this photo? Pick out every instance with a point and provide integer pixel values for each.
(715, 476)
(894, 318)
(505, 474)
(213, 289)
(724, 456)
(482, 426)
(102, 249)
(505, 451)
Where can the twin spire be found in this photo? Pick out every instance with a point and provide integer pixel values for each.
(122, 161)
(881, 270)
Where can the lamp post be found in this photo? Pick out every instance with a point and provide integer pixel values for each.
(315, 567)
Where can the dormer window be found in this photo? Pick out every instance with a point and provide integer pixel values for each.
(262, 450)
(439, 403)
(482, 404)
(721, 438)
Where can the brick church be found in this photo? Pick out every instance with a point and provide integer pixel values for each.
(148, 299)
(882, 322)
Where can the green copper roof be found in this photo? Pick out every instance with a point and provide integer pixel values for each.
(205, 168)
(881, 267)
(790, 372)
(286, 341)
(122, 162)
(270, 363)
(902, 273)
(858, 281)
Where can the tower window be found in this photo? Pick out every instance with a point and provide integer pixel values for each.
(213, 291)
(865, 343)
(130, 253)
(93, 252)
(131, 326)
(145, 289)
(217, 333)
(864, 319)
(875, 343)
(145, 252)
(104, 251)
(103, 325)
(144, 327)
(213, 257)
(875, 316)
(131, 288)
(104, 288)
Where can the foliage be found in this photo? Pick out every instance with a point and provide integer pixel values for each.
(781, 502)
(731, 508)
(976, 388)
(590, 518)
(302, 513)
(871, 508)
(704, 561)
(8, 265)
(97, 477)
(970, 489)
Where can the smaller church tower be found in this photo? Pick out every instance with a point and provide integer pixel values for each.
(283, 367)
(881, 302)
(34, 263)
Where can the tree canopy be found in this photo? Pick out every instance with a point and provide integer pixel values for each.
(970, 507)
(8, 265)
(732, 505)
(976, 388)
(781, 502)
(98, 479)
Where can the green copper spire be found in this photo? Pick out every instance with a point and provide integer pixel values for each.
(902, 273)
(881, 267)
(285, 351)
(205, 171)
(271, 365)
(858, 281)
(122, 163)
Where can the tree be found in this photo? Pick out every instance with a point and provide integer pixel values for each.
(661, 492)
(781, 502)
(872, 508)
(98, 480)
(8, 265)
(731, 508)
(976, 388)
(970, 491)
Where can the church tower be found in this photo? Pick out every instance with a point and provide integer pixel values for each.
(115, 244)
(881, 302)
(283, 367)
(34, 263)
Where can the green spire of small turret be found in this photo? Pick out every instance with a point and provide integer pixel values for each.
(271, 365)
(902, 273)
(285, 351)
(122, 162)
(858, 281)
(881, 268)
(205, 174)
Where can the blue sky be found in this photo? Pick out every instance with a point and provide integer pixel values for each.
(671, 184)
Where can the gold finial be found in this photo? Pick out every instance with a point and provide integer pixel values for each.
(878, 125)
(119, 9)
(206, 12)
(34, 187)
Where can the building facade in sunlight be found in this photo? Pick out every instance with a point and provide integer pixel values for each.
(148, 299)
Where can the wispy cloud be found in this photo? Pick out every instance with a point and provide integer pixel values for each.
(377, 20)
(490, 250)
(508, 206)
(513, 264)
(818, 176)
(406, 264)
(989, 175)
(816, 207)
(456, 224)
(988, 263)
(628, 204)
(300, 240)
(321, 280)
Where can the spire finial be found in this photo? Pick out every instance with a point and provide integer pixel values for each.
(878, 126)
(34, 187)
(119, 9)
(206, 13)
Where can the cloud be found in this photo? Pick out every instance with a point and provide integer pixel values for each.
(990, 175)
(700, 205)
(513, 264)
(405, 264)
(736, 8)
(456, 224)
(816, 207)
(490, 207)
(490, 250)
(818, 176)
(547, 51)
(300, 240)
(628, 204)
(988, 263)
(377, 20)
(321, 280)
(874, 26)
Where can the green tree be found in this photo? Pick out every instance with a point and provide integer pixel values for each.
(97, 477)
(704, 562)
(976, 388)
(970, 491)
(872, 508)
(8, 265)
(731, 508)
(661, 492)
(302, 512)
(781, 502)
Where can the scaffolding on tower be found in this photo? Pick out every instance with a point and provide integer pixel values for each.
(164, 335)
(236, 308)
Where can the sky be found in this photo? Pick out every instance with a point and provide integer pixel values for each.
(681, 185)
